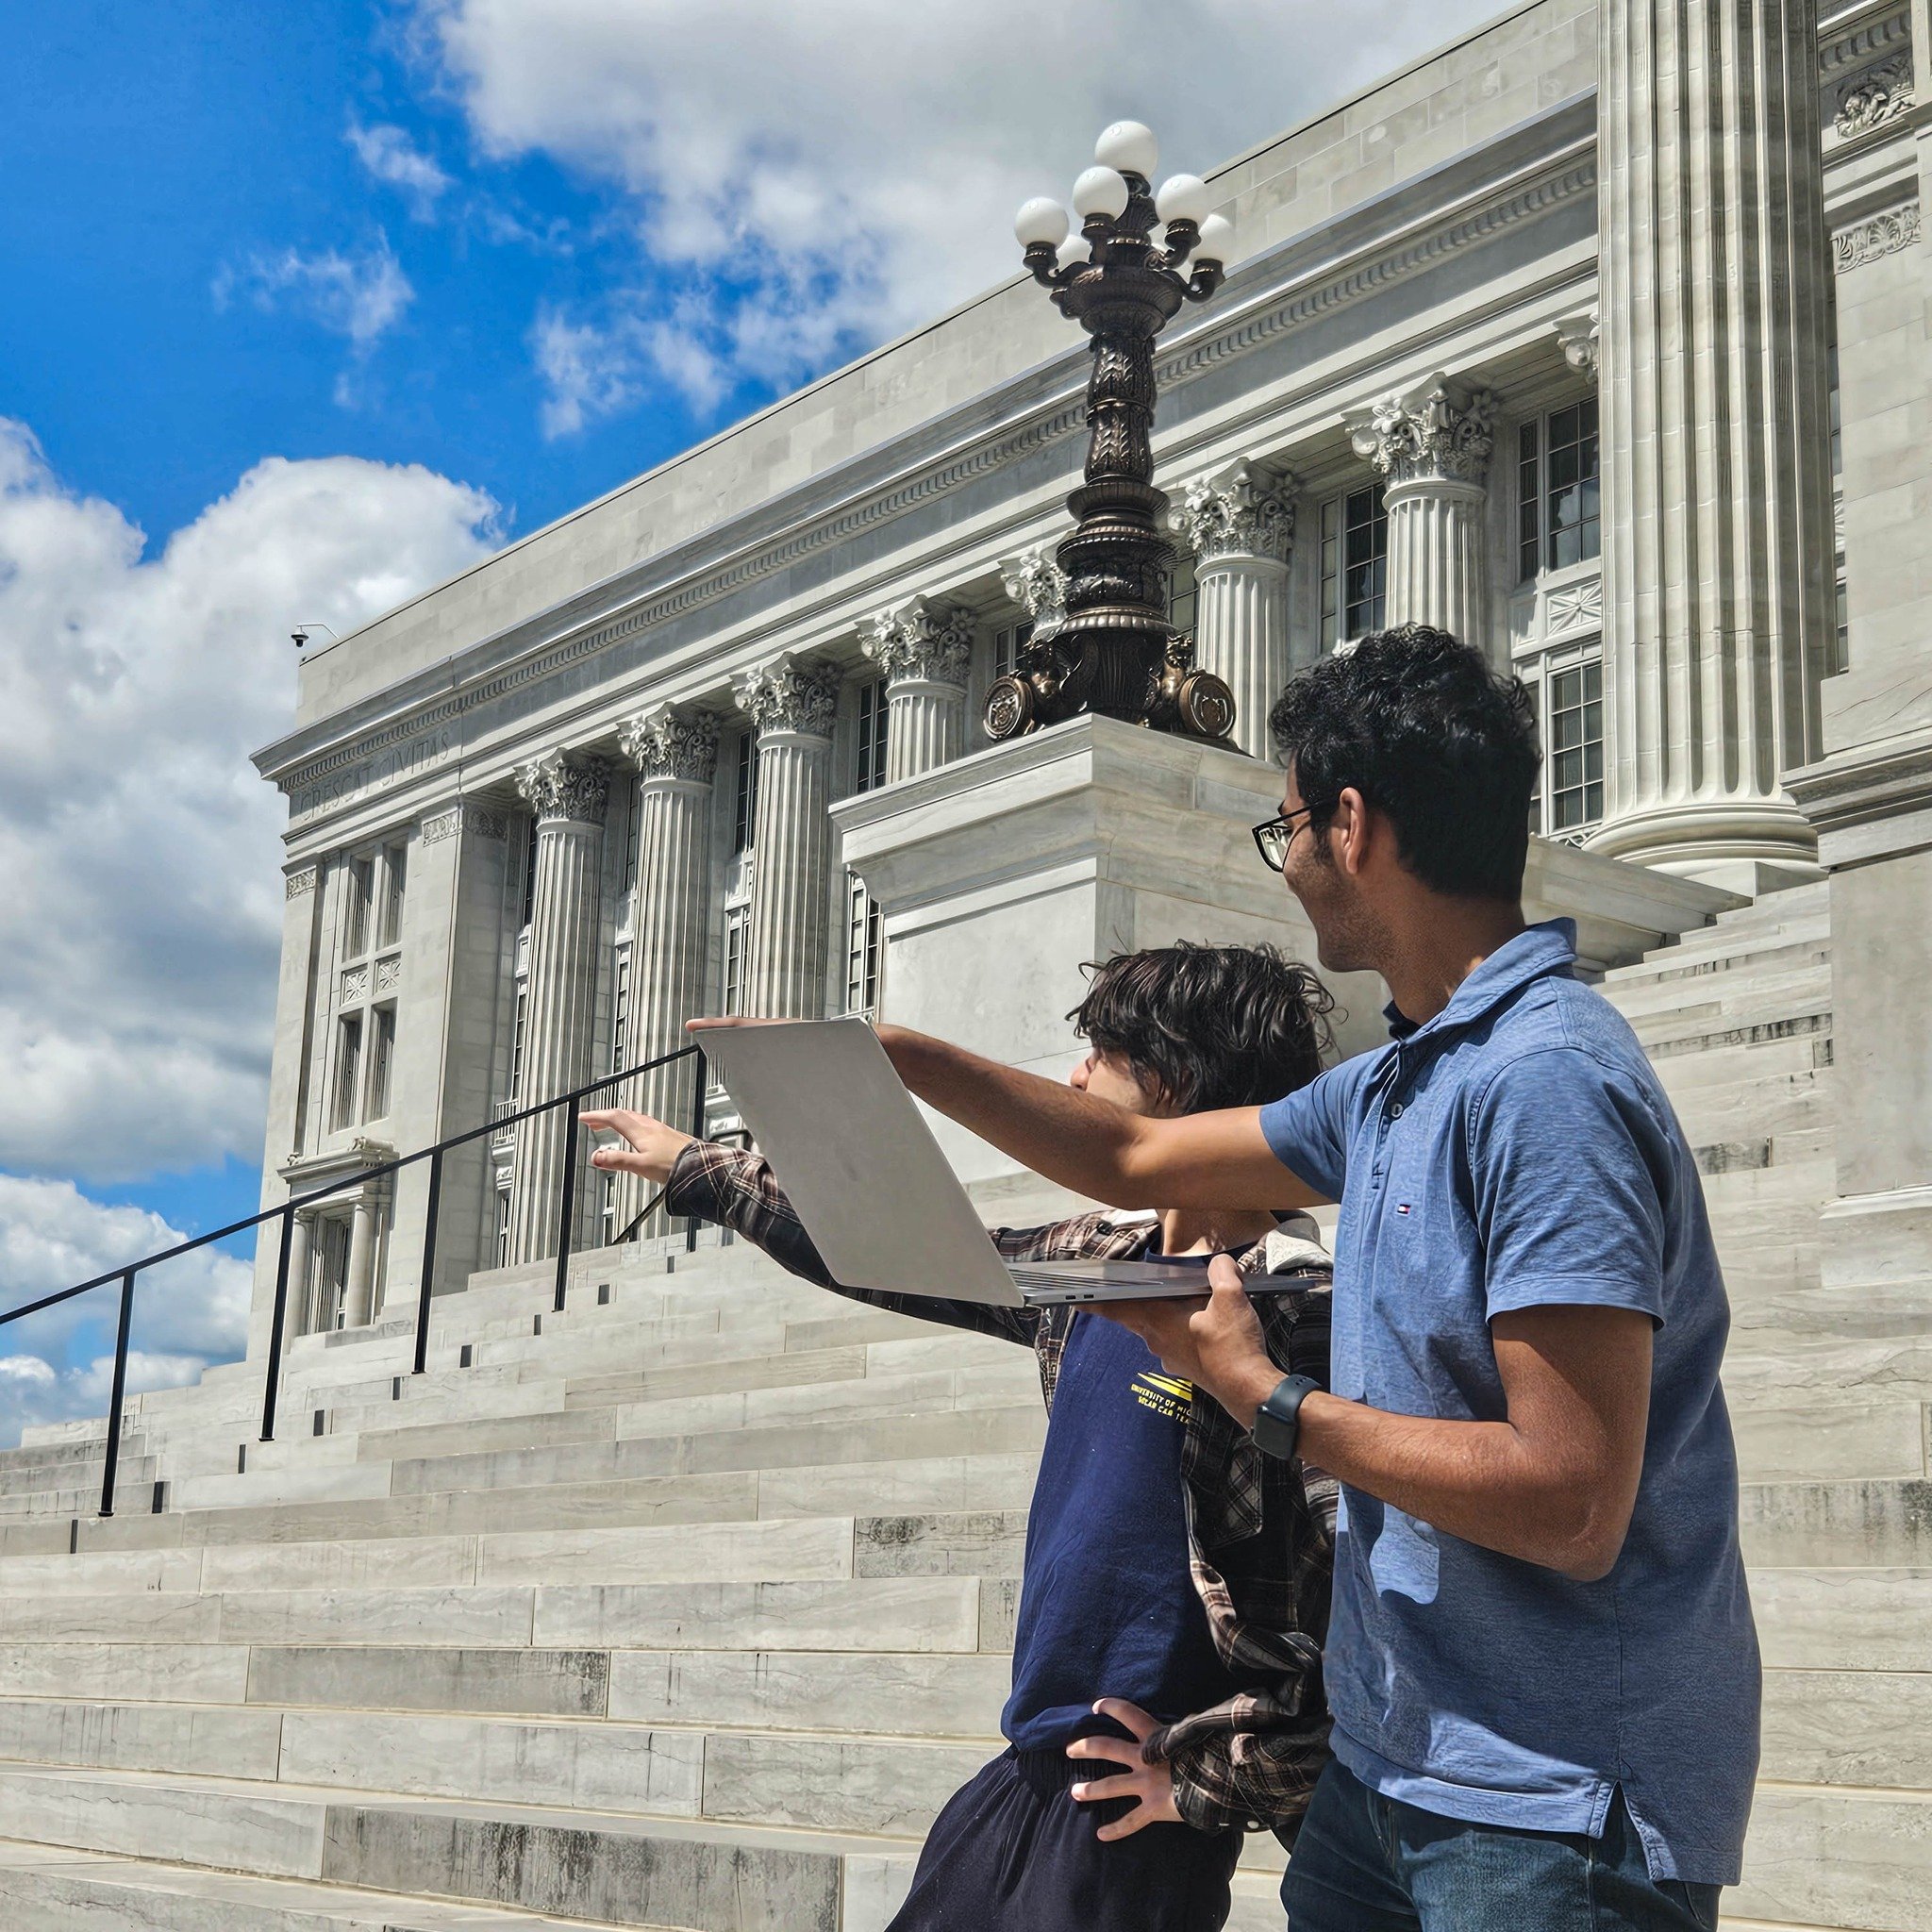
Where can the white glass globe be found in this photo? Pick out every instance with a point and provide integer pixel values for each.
(1129, 148)
(1217, 240)
(1184, 198)
(1043, 219)
(1076, 251)
(1100, 191)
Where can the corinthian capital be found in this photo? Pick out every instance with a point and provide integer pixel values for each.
(922, 641)
(1439, 433)
(1581, 343)
(1035, 581)
(1242, 511)
(789, 696)
(664, 743)
(560, 788)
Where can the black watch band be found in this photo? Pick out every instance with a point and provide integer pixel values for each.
(1278, 1421)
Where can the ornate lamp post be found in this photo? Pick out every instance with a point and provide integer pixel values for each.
(1115, 652)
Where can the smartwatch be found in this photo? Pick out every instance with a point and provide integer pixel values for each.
(1278, 1421)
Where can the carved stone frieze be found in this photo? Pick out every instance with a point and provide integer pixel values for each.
(1581, 342)
(296, 883)
(355, 985)
(1244, 510)
(565, 788)
(1439, 433)
(922, 641)
(1574, 607)
(664, 743)
(388, 974)
(1877, 236)
(791, 694)
(1878, 94)
(481, 821)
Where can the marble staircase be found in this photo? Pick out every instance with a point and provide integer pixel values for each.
(688, 1607)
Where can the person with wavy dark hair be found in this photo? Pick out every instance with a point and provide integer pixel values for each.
(1166, 1689)
(1540, 1661)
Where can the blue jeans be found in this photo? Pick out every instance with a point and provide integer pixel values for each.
(1367, 1863)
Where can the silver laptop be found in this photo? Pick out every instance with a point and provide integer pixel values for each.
(858, 1162)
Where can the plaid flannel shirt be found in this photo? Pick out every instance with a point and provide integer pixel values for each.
(1261, 1532)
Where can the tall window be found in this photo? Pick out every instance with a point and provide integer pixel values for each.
(382, 1054)
(348, 1071)
(361, 886)
(1008, 642)
(633, 831)
(1355, 564)
(862, 934)
(1558, 477)
(389, 928)
(330, 1307)
(503, 1227)
(619, 1018)
(516, 1043)
(528, 901)
(1569, 793)
(736, 926)
(1182, 598)
(871, 761)
(1841, 654)
(746, 818)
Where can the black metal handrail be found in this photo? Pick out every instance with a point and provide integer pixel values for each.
(573, 1104)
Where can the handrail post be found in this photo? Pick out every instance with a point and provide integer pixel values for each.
(429, 1260)
(697, 1132)
(567, 1209)
(120, 1394)
(275, 1335)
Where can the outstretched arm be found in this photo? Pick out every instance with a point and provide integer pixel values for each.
(1097, 1149)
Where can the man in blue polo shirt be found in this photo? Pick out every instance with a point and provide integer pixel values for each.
(1541, 1659)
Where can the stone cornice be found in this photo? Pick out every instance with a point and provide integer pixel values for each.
(1536, 168)
(1858, 34)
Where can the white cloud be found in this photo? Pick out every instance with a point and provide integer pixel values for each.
(388, 153)
(359, 297)
(830, 176)
(589, 371)
(187, 1313)
(142, 917)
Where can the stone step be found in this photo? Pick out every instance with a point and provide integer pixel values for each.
(1799, 1444)
(1857, 1524)
(1866, 1729)
(1848, 1619)
(1766, 987)
(1824, 1855)
(1658, 977)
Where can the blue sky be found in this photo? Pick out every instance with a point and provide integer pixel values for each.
(308, 307)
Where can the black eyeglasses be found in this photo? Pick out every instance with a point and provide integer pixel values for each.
(1272, 839)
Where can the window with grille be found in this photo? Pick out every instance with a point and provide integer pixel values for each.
(619, 1018)
(348, 1073)
(1008, 642)
(1574, 775)
(528, 902)
(330, 1305)
(1182, 598)
(744, 822)
(360, 886)
(389, 928)
(1559, 481)
(1355, 564)
(633, 831)
(871, 744)
(516, 1043)
(862, 947)
(503, 1227)
(737, 927)
(382, 1054)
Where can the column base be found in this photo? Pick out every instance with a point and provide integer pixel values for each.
(1749, 847)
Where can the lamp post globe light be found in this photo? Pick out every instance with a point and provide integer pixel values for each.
(1116, 653)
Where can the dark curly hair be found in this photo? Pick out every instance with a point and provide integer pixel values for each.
(1430, 735)
(1209, 1026)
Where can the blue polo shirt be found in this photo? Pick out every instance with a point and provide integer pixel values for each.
(1519, 1152)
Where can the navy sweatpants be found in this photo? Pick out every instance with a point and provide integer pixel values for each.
(1012, 1852)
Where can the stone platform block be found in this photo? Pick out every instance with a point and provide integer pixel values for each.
(1859, 1523)
(1870, 1728)
(988, 1543)
(427, 1617)
(891, 1785)
(722, 1372)
(1845, 1620)
(158, 1673)
(533, 1682)
(427, 1563)
(1817, 1856)
(728, 1552)
(121, 1616)
(222, 1742)
(89, 1574)
(917, 1485)
(883, 1613)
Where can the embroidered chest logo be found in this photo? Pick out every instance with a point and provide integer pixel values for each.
(1166, 1395)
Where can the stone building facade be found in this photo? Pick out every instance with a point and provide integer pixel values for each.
(1598, 337)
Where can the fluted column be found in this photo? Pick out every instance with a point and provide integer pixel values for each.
(1432, 447)
(923, 649)
(1240, 523)
(568, 796)
(793, 705)
(358, 1302)
(1717, 532)
(677, 756)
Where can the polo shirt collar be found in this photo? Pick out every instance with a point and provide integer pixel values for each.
(1534, 952)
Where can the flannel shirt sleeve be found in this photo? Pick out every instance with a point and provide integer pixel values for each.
(737, 1189)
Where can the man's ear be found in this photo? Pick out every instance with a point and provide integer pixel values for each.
(1353, 831)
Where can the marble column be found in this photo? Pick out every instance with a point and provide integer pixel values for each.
(1432, 448)
(568, 796)
(1240, 523)
(358, 1301)
(1717, 532)
(677, 755)
(792, 703)
(299, 1313)
(924, 650)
